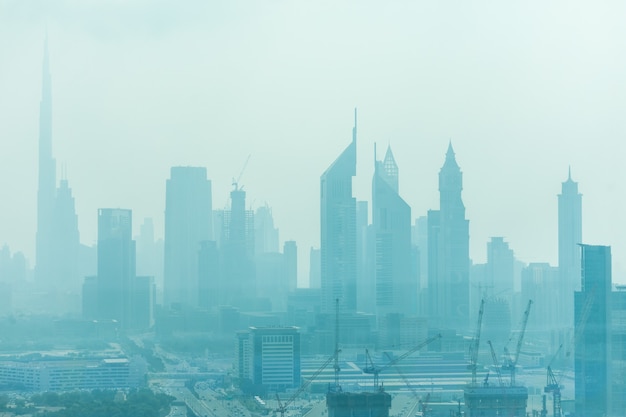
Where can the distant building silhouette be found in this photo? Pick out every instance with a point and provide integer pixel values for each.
(338, 231)
(570, 235)
(396, 284)
(265, 234)
(58, 262)
(188, 210)
(116, 293)
(448, 250)
(238, 284)
(290, 253)
(592, 307)
(46, 191)
(315, 268)
(500, 268)
(366, 282)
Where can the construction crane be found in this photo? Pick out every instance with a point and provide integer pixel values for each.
(510, 363)
(494, 357)
(282, 407)
(553, 384)
(476, 343)
(375, 370)
(424, 405)
(236, 180)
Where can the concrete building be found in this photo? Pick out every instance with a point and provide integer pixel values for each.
(188, 208)
(592, 310)
(358, 404)
(74, 374)
(269, 357)
(338, 231)
(396, 284)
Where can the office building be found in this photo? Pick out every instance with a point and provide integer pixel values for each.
(188, 210)
(448, 251)
(396, 284)
(116, 293)
(338, 231)
(269, 357)
(570, 235)
(592, 318)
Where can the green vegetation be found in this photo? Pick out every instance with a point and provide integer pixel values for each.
(137, 403)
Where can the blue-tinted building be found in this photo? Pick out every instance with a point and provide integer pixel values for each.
(338, 231)
(396, 284)
(592, 314)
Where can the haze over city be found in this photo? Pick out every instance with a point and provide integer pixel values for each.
(522, 91)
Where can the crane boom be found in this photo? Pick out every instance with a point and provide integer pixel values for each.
(411, 351)
(282, 407)
(494, 357)
(476, 343)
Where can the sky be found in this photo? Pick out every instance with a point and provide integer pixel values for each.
(523, 90)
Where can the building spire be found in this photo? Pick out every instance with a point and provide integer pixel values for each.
(569, 172)
(354, 128)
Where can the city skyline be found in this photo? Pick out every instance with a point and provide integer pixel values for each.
(88, 135)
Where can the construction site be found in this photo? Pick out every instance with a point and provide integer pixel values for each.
(432, 384)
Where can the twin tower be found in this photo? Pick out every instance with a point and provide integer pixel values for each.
(375, 267)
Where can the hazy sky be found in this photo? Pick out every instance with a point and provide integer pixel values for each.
(523, 89)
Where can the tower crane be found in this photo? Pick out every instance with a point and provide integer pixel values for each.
(476, 343)
(375, 370)
(511, 362)
(282, 407)
(494, 357)
(553, 384)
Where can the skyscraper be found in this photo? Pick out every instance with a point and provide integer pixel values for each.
(57, 241)
(338, 231)
(237, 251)
(116, 265)
(592, 306)
(570, 235)
(64, 268)
(396, 286)
(46, 180)
(188, 210)
(448, 250)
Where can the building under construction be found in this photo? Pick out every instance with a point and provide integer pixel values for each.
(358, 404)
(492, 401)
(486, 400)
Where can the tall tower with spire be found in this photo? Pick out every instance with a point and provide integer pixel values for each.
(396, 287)
(338, 231)
(47, 178)
(570, 235)
(448, 281)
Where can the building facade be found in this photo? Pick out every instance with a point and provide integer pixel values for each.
(396, 284)
(570, 235)
(448, 251)
(188, 210)
(338, 231)
(592, 308)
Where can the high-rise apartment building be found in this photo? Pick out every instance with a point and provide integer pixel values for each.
(570, 235)
(592, 315)
(188, 210)
(396, 284)
(448, 250)
(338, 231)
